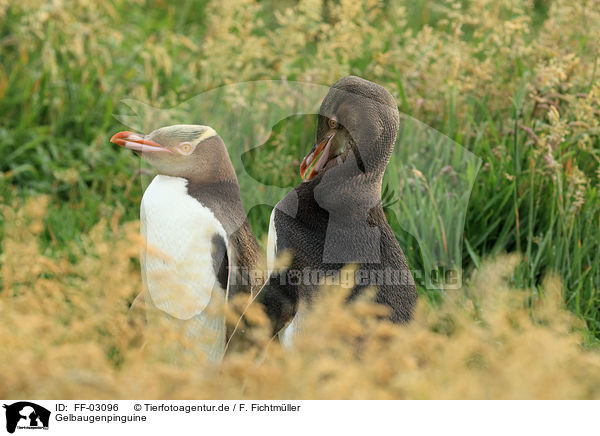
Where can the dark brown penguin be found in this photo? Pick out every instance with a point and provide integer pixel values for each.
(335, 217)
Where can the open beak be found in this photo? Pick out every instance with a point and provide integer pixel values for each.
(319, 155)
(136, 142)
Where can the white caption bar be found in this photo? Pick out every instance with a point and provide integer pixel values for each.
(23, 417)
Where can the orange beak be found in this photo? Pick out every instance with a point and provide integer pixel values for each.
(136, 142)
(319, 156)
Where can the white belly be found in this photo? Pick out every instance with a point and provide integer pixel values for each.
(289, 333)
(271, 244)
(177, 266)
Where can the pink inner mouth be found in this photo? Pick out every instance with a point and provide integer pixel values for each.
(321, 155)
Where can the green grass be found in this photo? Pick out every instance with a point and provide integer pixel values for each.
(58, 101)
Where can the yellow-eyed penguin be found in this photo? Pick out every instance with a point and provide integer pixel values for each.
(199, 245)
(335, 216)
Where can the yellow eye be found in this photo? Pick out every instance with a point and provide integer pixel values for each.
(333, 123)
(186, 147)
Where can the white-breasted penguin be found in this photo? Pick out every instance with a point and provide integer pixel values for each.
(335, 216)
(199, 245)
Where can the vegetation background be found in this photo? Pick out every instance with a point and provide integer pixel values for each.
(513, 81)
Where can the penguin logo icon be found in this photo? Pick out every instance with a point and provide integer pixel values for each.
(26, 415)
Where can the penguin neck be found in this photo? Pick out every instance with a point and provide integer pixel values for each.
(222, 197)
(354, 183)
(210, 170)
(349, 200)
(348, 191)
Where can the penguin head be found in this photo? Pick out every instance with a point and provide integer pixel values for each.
(356, 117)
(180, 150)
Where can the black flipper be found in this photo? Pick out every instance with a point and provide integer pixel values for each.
(220, 260)
(280, 299)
